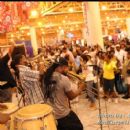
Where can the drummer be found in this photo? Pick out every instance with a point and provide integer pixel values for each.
(5, 73)
(58, 92)
(3, 117)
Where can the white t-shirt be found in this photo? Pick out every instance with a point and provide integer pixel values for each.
(70, 55)
(60, 106)
(120, 55)
(89, 72)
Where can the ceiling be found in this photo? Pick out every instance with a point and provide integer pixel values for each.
(54, 16)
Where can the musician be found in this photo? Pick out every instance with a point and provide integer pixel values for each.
(5, 73)
(29, 80)
(58, 92)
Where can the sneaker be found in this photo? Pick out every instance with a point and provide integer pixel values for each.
(126, 97)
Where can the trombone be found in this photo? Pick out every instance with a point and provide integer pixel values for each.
(82, 79)
(72, 74)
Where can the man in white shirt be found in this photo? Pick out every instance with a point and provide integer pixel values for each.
(120, 54)
(66, 52)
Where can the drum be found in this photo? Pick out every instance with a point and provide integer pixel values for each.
(35, 117)
(12, 108)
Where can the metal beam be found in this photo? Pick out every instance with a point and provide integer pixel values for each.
(58, 13)
(56, 6)
(53, 25)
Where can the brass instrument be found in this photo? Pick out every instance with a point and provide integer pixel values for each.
(81, 78)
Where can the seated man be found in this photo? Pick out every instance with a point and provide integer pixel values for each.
(5, 73)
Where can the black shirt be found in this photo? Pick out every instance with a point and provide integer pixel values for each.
(5, 73)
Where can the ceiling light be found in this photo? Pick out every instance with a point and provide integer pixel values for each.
(107, 18)
(22, 31)
(59, 27)
(71, 10)
(63, 21)
(41, 29)
(12, 35)
(39, 23)
(34, 13)
(28, 33)
(103, 7)
(71, 29)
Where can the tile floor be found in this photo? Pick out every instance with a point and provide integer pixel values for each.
(116, 112)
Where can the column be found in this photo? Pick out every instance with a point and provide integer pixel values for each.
(43, 41)
(128, 26)
(60, 35)
(93, 23)
(34, 40)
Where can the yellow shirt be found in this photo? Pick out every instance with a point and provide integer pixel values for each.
(108, 70)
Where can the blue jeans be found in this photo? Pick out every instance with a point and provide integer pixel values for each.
(89, 90)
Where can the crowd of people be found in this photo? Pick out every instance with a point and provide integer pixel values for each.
(46, 80)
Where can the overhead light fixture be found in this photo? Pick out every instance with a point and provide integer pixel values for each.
(103, 7)
(39, 23)
(71, 29)
(12, 35)
(107, 18)
(41, 29)
(22, 31)
(71, 10)
(28, 33)
(59, 27)
(63, 21)
(34, 14)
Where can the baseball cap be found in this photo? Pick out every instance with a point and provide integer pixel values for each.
(62, 62)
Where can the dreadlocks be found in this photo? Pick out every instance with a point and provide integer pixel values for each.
(49, 83)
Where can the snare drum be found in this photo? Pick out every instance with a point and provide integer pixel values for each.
(12, 108)
(35, 117)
